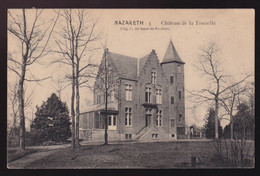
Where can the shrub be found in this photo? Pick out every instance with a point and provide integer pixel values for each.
(235, 153)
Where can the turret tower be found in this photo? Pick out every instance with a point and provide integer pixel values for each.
(173, 68)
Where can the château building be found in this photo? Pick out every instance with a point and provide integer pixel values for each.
(146, 99)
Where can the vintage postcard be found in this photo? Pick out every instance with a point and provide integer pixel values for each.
(131, 88)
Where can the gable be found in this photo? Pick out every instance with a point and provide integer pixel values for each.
(149, 62)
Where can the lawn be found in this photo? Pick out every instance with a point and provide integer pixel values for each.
(132, 155)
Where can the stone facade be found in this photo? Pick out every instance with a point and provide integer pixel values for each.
(146, 99)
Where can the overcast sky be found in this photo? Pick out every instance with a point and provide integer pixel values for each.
(232, 30)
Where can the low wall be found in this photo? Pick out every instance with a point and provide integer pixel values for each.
(98, 135)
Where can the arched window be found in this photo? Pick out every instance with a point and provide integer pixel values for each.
(154, 75)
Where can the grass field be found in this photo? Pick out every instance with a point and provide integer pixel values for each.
(132, 155)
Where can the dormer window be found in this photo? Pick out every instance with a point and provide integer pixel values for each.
(154, 75)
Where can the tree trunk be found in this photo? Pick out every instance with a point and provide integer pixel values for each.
(22, 119)
(21, 107)
(106, 92)
(77, 144)
(231, 128)
(20, 88)
(216, 119)
(106, 135)
(72, 109)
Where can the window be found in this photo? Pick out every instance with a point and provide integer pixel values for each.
(112, 93)
(179, 94)
(171, 79)
(173, 136)
(128, 116)
(114, 120)
(172, 99)
(128, 92)
(180, 117)
(154, 136)
(111, 122)
(98, 97)
(128, 136)
(172, 123)
(154, 76)
(179, 68)
(96, 119)
(148, 92)
(159, 118)
(148, 115)
(158, 96)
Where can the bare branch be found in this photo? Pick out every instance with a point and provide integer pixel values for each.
(41, 54)
(237, 83)
(12, 69)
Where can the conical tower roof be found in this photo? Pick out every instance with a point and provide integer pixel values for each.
(171, 54)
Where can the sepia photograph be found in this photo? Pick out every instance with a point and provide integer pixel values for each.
(130, 88)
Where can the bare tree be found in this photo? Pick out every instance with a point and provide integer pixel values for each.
(105, 84)
(33, 37)
(209, 67)
(250, 94)
(230, 102)
(13, 99)
(77, 36)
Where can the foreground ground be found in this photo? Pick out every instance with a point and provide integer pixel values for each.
(131, 155)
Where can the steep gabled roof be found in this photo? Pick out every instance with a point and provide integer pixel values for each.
(171, 54)
(126, 65)
(142, 62)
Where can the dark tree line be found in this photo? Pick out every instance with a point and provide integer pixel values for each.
(243, 124)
